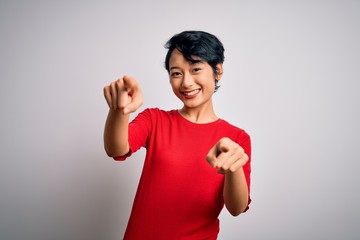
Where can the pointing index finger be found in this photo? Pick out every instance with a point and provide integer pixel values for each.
(130, 83)
(211, 156)
(134, 91)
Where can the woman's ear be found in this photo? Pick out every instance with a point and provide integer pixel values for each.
(219, 71)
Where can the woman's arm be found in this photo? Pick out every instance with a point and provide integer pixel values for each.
(116, 133)
(235, 193)
(123, 97)
(230, 158)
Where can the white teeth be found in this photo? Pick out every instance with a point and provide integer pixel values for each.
(191, 92)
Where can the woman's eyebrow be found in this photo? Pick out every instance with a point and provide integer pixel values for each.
(196, 60)
(175, 67)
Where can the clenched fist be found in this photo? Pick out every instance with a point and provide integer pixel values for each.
(124, 95)
(227, 156)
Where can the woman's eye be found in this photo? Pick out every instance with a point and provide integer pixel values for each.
(196, 69)
(174, 74)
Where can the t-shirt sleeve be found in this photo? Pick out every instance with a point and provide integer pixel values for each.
(139, 132)
(245, 143)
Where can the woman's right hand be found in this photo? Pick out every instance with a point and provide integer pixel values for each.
(124, 95)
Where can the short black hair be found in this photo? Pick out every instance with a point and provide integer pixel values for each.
(199, 44)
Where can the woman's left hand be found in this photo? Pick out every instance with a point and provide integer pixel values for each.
(227, 156)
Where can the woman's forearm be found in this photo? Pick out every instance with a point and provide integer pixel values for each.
(116, 133)
(235, 193)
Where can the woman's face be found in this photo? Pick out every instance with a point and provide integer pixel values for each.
(192, 83)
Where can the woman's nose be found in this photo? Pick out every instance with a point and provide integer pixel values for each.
(188, 80)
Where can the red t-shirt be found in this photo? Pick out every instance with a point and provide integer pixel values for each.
(179, 194)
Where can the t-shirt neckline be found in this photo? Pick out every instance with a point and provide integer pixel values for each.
(183, 119)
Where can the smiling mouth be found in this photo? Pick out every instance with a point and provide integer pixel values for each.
(191, 93)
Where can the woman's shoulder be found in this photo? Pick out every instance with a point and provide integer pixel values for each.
(156, 114)
(227, 126)
(158, 111)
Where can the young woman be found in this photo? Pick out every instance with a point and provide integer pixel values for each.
(195, 162)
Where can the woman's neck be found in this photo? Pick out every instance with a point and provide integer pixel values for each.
(196, 115)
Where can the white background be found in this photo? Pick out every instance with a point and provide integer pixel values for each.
(291, 80)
